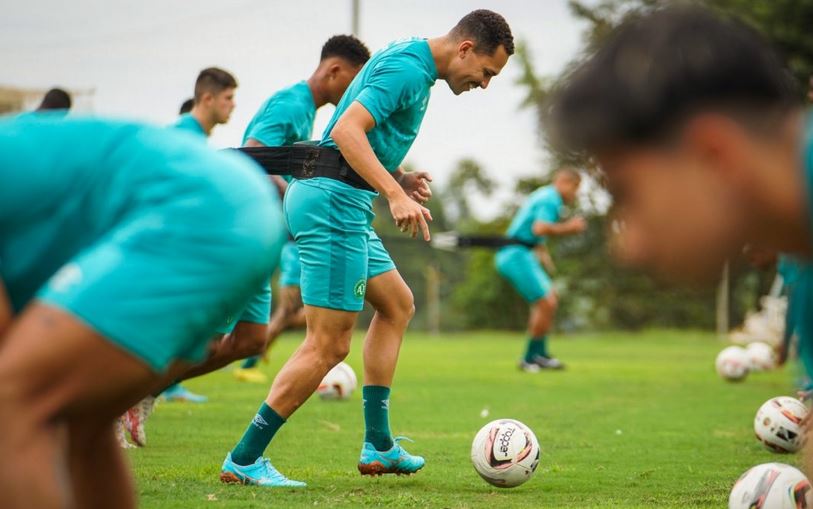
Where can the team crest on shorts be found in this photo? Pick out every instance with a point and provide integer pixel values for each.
(360, 289)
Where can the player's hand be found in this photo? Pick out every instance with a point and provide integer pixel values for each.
(410, 216)
(416, 185)
(576, 224)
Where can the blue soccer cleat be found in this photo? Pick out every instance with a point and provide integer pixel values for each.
(395, 461)
(259, 473)
(180, 393)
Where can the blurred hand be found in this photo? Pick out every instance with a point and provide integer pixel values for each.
(416, 185)
(577, 224)
(410, 216)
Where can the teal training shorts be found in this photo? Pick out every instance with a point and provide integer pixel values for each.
(144, 234)
(290, 268)
(258, 310)
(520, 267)
(338, 249)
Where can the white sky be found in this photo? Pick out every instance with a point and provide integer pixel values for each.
(142, 59)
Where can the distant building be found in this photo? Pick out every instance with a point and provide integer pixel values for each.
(16, 99)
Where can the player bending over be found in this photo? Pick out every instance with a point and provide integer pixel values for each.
(286, 118)
(537, 219)
(123, 247)
(700, 132)
(343, 261)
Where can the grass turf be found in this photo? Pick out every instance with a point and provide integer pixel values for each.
(637, 420)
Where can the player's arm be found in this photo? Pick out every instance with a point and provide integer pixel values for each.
(571, 226)
(415, 183)
(544, 257)
(350, 135)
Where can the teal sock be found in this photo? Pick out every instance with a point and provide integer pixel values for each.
(543, 346)
(258, 435)
(377, 416)
(532, 350)
(250, 362)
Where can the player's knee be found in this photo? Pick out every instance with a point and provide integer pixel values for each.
(399, 309)
(326, 353)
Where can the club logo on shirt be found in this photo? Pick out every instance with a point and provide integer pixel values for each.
(360, 288)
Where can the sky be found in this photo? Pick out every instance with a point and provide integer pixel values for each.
(142, 58)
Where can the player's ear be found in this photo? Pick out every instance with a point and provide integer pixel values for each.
(464, 48)
(718, 143)
(334, 70)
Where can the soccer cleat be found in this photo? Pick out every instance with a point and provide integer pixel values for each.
(259, 473)
(529, 367)
(136, 418)
(181, 394)
(395, 461)
(120, 438)
(250, 375)
(548, 362)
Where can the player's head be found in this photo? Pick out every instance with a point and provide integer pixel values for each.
(567, 180)
(342, 58)
(55, 99)
(483, 44)
(214, 94)
(186, 106)
(683, 110)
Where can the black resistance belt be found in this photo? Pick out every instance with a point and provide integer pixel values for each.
(306, 161)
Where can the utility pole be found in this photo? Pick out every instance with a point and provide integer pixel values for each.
(355, 17)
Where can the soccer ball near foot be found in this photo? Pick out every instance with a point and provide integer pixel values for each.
(505, 453)
(778, 424)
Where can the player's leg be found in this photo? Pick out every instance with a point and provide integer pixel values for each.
(49, 373)
(540, 322)
(327, 343)
(394, 307)
(6, 312)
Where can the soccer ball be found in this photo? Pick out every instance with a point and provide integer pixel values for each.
(761, 355)
(339, 383)
(505, 453)
(778, 424)
(732, 363)
(771, 486)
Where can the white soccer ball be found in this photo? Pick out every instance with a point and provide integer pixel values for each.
(505, 453)
(732, 363)
(771, 486)
(761, 356)
(339, 383)
(778, 424)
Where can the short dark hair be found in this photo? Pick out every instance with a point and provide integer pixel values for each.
(487, 29)
(214, 81)
(347, 47)
(658, 69)
(56, 99)
(186, 106)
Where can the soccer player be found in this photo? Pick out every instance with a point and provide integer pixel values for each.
(700, 131)
(343, 261)
(284, 119)
(537, 219)
(56, 99)
(139, 242)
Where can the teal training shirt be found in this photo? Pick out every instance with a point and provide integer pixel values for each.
(284, 118)
(803, 291)
(394, 86)
(544, 204)
(189, 123)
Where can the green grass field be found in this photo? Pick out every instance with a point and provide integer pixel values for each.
(638, 420)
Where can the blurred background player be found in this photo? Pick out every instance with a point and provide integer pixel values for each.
(343, 261)
(56, 99)
(537, 219)
(706, 148)
(286, 118)
(115, 229)
(186, 106)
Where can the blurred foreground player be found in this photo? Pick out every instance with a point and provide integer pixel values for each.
(537, 219)
(700, 132)
(139, 242)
